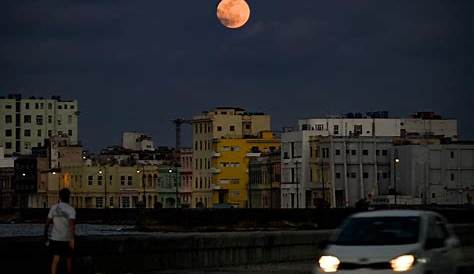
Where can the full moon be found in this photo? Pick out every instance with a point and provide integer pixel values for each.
(233, 13)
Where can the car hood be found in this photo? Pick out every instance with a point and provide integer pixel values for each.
(368, 254)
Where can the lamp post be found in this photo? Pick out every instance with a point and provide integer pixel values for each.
(175, 179)
(141, 170)
(297, 186)
(103, 173)
(397, 161)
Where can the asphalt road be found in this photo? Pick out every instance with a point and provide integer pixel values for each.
(301, 267)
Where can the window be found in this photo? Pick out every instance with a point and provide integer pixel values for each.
(357, 129)
(385, 175)
(219, 128)
(50, 119)
(433, 195)
(338, 175)
(366, 175)
(50, 133)
(232, 128)
(122, 180)
(50, 106)
(65, 106)
(39, 120)
(60, 107)
(353, 175)
(319, 127)
(354, 152)
(130, 180)
(365, 152)
(377, 152)
(8, 106)
(27, 105)
(38, 133)
(99, 180)
(27, 145)
(59, 122)
(8, 119)
(452, 154)
(27, 119)
(336, 129)
(99, 202)
(452, 176)
(27, 133)
(90, 179)
(247, 126)
(71, 106)
(384, 152)
(69, 132)
(8, 145)
(8, 132)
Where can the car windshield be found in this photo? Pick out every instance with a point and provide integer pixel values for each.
(379, 231)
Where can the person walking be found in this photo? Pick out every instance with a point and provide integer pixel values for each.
(62, 217)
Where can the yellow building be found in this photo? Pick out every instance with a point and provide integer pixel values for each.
(230, 166)
(218, 123)
(120, 186)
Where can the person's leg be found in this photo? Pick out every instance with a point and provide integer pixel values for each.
(69, 265)
(54, 264)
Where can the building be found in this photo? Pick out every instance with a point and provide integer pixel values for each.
(344, 170)
(26, 122)
(264, 181)
(186, 173)
(137, 141)
(7, 187)
(221, 122)
(230, 166)
(441, 173)
(296, 186)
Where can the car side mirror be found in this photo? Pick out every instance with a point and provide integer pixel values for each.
(432, 243)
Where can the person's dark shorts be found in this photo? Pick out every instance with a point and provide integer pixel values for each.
(60, 248)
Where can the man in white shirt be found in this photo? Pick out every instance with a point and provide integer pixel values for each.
(62, 216)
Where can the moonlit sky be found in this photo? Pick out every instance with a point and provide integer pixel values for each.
(137, 65)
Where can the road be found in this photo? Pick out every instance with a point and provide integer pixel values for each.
(302, 267)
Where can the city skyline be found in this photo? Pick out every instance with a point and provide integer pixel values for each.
(138, 67)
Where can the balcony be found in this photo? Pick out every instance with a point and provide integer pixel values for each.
(253, 154)
(215, 170)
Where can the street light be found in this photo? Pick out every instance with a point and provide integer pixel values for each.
(397, 161)
(143, 184)
(100, 172)
(175, 179)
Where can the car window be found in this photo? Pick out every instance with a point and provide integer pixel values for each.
(379, 231)
(437, 229)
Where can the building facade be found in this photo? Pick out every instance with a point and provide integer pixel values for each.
(230, 178)
(221, 122)
(7, 175)
(186, 173)
(344, 170)
(440, 173)
(296, 186)
(265, 180)
(26, 122)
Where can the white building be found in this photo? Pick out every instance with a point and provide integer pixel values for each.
(345, 170)
(26, 123)
(436, 173)
(295, 145)
(137, 141)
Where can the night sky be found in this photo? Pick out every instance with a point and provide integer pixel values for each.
(137, 65)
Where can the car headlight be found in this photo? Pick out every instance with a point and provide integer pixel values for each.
(329, 263)
(402, 263)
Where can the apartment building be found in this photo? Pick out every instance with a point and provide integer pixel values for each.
(264, 180)
(216, 124)
(26, 122)
(296, 183)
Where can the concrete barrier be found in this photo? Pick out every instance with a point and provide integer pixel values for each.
(148, 252)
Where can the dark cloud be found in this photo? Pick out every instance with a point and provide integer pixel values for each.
(136, 65)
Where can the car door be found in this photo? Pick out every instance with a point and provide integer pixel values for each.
(437, 251)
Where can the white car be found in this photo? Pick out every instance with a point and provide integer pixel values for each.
(392, 241)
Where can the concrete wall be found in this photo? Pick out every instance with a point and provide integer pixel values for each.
(146, 253)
